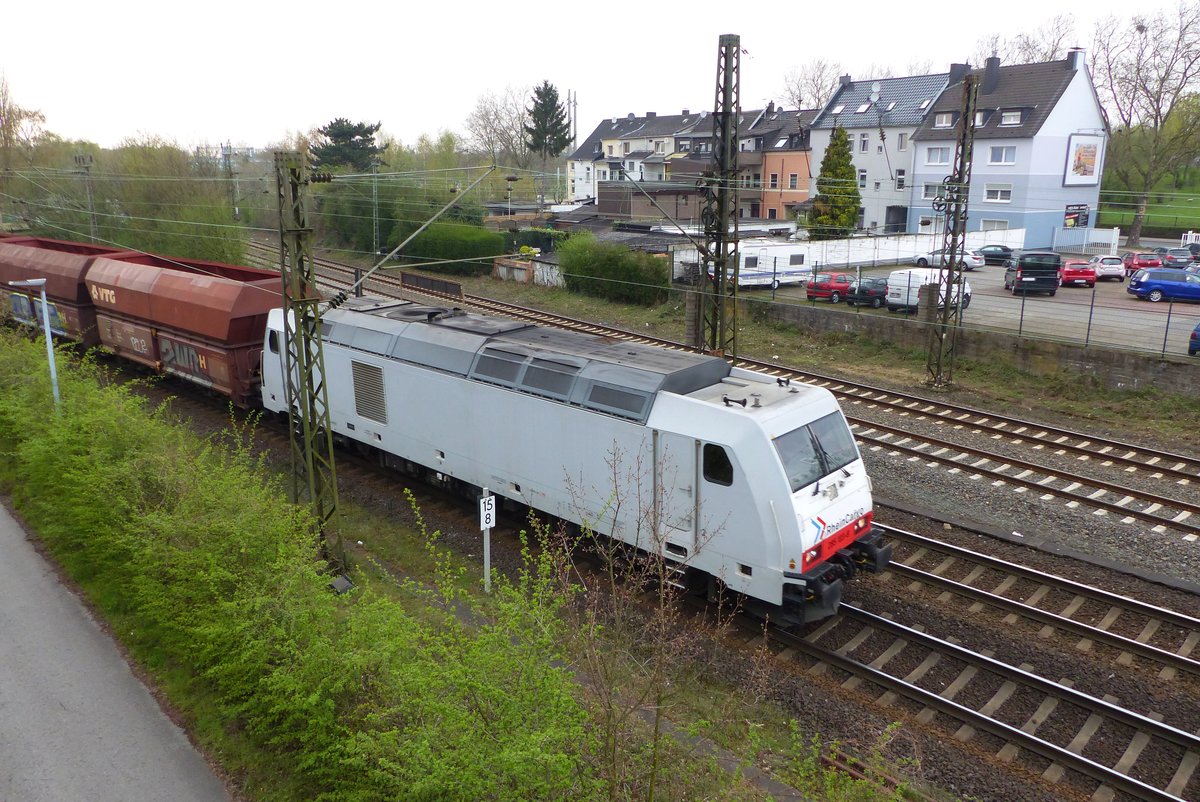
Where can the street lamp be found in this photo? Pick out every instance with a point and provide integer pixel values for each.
(40, 283)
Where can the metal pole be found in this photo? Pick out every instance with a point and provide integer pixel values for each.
(40, 283)
(1021, 323)
(1167, 328)
(1087, 337)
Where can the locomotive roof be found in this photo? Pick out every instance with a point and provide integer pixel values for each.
(599, 372)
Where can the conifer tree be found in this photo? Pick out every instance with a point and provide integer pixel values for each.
(834, 212)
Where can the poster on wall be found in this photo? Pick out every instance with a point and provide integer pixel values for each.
(1076, 215)
(1084, 152)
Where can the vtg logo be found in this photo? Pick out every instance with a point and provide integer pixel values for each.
(104, 294)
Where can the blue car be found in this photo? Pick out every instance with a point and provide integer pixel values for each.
(1155, 284)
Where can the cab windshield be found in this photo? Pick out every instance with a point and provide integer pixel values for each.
(816, 450)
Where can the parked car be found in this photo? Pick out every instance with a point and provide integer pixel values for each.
(904, 288)
(1076, 273)
(1137, 261)
(1177, 257)
(1155, 284)
(971, 259)
(1194, 341)
(869, 291)
(995, 254)
(1108, 267)
(1033, 271)
(833, 286)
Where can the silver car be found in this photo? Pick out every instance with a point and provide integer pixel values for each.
(971, 259)
(1107, 267)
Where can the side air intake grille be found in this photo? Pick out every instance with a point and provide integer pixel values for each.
(368, 392)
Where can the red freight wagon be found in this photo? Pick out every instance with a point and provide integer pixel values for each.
(202, 321)
(63, 265)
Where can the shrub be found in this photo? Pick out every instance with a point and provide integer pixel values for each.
(613, 271)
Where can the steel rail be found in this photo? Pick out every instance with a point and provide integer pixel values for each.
(1057, 754)
(1164, 614)
(1163, 656)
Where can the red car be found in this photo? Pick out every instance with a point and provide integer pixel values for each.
(833, 286)
(1076, 274)
(1136, 261)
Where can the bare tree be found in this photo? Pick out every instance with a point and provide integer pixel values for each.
(20, 129)
(497, 126)
(1147, 72)
(1048, 43)
(810, 85)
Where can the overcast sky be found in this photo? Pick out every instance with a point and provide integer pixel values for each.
(255, 71)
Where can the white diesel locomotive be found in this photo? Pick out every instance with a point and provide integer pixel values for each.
(749, 482)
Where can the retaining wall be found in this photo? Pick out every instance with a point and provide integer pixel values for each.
(1109, 367)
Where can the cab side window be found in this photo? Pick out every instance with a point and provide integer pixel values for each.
(718, 468)
(273, 342)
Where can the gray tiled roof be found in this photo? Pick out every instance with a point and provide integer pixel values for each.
(1033, 89)
(589, 148)
(899, 102)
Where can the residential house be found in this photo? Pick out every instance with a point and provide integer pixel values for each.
(881, 116)
(1039, 142)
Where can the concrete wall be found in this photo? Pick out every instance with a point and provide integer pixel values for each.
(1111, 368)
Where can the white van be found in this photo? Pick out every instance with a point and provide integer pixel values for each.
(904, 288)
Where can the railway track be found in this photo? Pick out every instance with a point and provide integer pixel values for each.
(1133, 483)
(1015, 711)
(1007, 710)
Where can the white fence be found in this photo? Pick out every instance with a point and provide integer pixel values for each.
(763, 256)
(1092, 241)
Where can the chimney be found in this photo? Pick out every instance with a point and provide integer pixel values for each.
(1076, 59)
(844, 80)
(957, 73)
(686, 112)
(771, 107)
(651, 115)
(991, 75)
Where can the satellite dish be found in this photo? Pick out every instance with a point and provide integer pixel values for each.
(875, 92)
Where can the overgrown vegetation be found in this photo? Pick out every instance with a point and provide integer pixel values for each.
(410, 689)
(613, 272)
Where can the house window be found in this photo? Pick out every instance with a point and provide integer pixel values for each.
(979, 119)
(937, 155)
(993, 225)
(901, 141)
(899, 179)
(930, 191)
(588, 174)
(997, 193)
(837, 109)
(625, 148)
(771, 214)
(864, 142)
(603, 174)
(757, 180)
(1003, 154)
(610, 148)
(862, 179)
(862, 108)
(792, 181)
(1010, 118)
(943, 120)
(658, 146)
(685, 144)
(774, 180)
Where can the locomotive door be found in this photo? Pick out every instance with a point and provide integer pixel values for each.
(675, 492)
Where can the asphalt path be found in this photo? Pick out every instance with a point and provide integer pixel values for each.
(76, 725)
(1107, 316)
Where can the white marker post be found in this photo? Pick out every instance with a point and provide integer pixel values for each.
(487, 519)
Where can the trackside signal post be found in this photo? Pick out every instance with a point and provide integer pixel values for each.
(313, 475)
(487, 519)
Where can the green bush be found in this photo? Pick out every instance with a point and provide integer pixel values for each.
(613, 271)
(456, 242)
(191, 546)
(545, 239)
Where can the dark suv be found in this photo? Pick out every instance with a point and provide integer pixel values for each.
(1177, 257)
(1032, 271)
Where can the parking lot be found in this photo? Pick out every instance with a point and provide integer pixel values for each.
(1106, 316)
